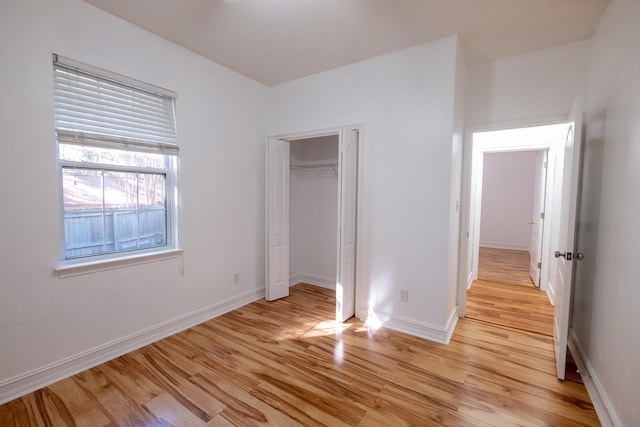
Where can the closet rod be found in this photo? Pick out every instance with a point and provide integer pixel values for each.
(315, 166)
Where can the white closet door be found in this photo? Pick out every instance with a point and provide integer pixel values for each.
(278, 158)
(347, 211)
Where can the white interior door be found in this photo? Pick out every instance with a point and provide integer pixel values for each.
(538, 218)
(278, 157)
(534, 252)
(566, 250)
(347, 211)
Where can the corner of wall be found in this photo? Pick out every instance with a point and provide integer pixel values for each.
(435, 333)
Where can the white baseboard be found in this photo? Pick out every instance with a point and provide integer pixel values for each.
(323, 282)
(20, 385)
(551, 293)
(418, 329)
(601, 402)
(501, 245)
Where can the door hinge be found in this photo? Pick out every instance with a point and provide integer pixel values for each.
(544, 165)
(541, 215)
(539, 265)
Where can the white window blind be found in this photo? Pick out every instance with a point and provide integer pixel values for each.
(98, 108)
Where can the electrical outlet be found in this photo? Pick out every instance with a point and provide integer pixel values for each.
(404, 295)
(236, 278)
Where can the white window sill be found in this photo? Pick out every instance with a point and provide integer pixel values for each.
(89, 267)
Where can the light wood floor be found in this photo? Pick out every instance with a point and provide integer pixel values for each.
(285, 364)
(504, 266)
(494, 298)
(520, 307)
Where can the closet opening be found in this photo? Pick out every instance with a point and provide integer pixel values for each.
(312, 212)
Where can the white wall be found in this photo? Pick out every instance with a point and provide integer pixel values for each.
(314, 213)
(45, 319)
(508, 195)
(605, 310)
(405, 100)
(526, 88)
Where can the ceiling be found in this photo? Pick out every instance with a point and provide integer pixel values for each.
(274, 41)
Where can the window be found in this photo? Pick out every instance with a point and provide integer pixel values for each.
(117, 156)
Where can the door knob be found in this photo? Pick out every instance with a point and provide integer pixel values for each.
(579, 256)
(566, 255)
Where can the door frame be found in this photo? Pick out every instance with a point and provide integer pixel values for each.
(296, 136)
(472, 195)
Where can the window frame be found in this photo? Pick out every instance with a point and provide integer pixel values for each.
(171, 249)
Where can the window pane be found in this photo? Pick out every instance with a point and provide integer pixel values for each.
(82, 189)
(153, 228)
(125, 230)
(83, 215)
(113, 211)
(151, 190)
(153, 215)
(120, 190)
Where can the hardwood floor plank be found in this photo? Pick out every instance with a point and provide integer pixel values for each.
(504, 266)
(286, 363)
(44, 409)
(71, 404)
(120, 408)
(166, 374)
(299, 409)
(241, 407)
(172, 412)
(519, 307)
(126, 374)
(15, 413)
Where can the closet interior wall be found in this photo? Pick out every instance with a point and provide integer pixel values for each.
(314, 211)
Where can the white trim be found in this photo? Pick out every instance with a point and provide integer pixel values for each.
(551, 293)
(294, 136)
(469, 280)
(20, 385)
(435, 333)
(323, 282)
(500, 245)
(516, 124)
(602, 404)
(94, 266)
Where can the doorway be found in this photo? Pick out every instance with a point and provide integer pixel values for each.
(546, 138)
(564, 142)
(313, 208)
(512, 217)
(511, 209)
(292, 159)
(546, 144)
